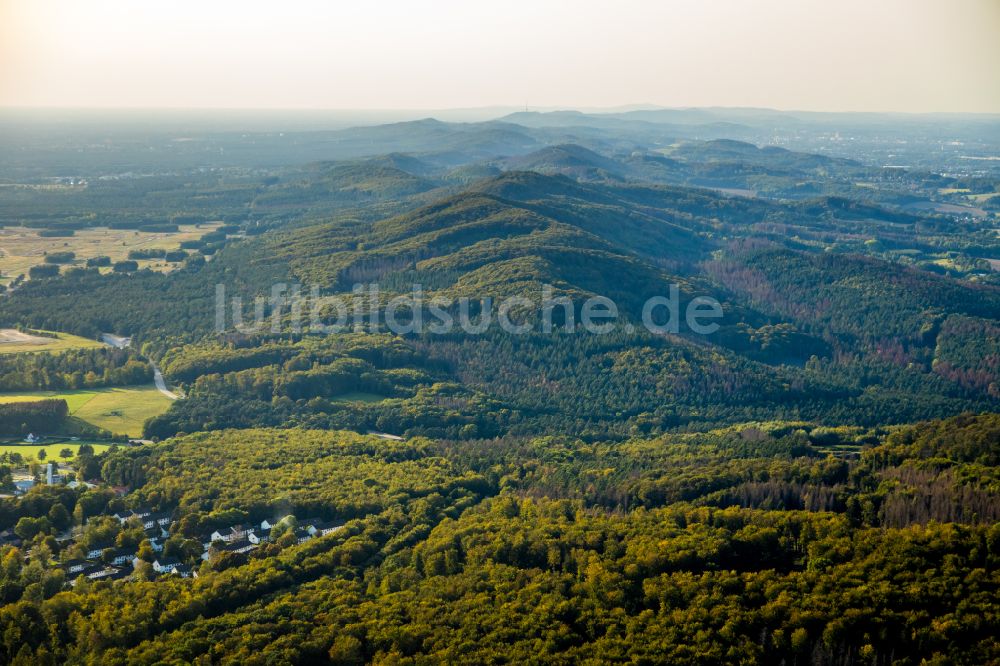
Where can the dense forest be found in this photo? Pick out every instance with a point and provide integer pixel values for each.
(36, 416)
(72, 369)
(749, 543)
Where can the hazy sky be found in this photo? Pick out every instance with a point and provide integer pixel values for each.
(894, 55)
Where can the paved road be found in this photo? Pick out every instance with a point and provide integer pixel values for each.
(115, 340)
(161, 385)
(385, 435)
(122, 342)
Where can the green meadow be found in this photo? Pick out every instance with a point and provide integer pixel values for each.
(51, 450)
(120, 410)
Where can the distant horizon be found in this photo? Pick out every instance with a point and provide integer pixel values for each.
(500, 108)
(894, 56)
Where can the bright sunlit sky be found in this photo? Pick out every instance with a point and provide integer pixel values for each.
(843, 55)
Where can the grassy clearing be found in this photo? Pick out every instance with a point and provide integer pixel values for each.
(946, 262)
(13, 341)
(51, 450)
(21, 247)
(121, 410)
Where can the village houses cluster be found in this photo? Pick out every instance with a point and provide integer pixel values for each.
(107, 561)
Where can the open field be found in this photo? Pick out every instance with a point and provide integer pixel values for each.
(13, 341)
(975, 198)
(121, 410)
(947, 208)
(22, 247)
(51, 450)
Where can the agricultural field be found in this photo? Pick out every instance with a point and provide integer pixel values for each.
(120, 410)
(13, 341)
(978, 198)
(51, 450)
(23, 247)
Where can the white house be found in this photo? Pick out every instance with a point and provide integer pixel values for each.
(151, 520)
(233, 533)
(75, 566)
(240, 546)
(322, 527)
(166, 565)
(141, 515)
(103, 572)
(268, 525)
(121, 556)
(184, 571)
(243, 545)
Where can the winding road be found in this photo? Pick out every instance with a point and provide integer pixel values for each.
(122, 342)
(161, 385)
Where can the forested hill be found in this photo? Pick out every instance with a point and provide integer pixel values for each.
(806, 333)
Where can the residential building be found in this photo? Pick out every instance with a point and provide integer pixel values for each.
(166, 565)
